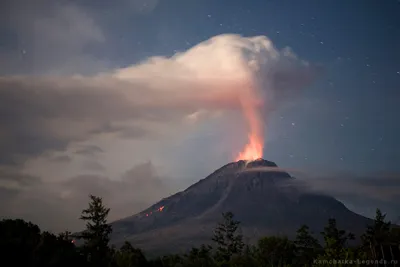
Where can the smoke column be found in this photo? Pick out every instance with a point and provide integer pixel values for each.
(251, 110)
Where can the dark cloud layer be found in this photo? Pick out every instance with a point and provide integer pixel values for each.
(57, 206)
(362, 193)
(37, 116)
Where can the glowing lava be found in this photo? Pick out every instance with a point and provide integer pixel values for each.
(160, 209)
(253, 150)
(251, 106)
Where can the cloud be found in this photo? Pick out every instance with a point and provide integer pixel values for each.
(361, 193)
(61, 158)
(50, 37)
(89, 150)
(49, 112)
(11, 177)
(93, 166)
(57, 206)
(379, 186)
(64, 37)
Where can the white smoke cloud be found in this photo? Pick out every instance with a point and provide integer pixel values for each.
(216, 75)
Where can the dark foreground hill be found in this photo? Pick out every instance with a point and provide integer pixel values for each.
(264, 199)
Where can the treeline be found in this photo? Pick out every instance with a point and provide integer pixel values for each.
(23, 244)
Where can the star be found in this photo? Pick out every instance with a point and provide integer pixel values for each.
(209, 16)
(398, 72)
(341, 159)
(293, 124)
(341, 125)
(321, 43)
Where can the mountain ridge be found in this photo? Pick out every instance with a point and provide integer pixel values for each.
(260, 195)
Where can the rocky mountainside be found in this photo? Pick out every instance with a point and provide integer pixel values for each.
(262, 197)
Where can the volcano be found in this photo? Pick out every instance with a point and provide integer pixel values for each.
(265, 199)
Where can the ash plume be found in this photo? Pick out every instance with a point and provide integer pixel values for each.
(227, 73)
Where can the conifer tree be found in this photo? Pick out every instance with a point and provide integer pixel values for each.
(97, 232)
(307, 246)
(228, 239)
(335, 241)
(376, 235)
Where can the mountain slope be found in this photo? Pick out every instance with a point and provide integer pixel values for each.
(264, 199)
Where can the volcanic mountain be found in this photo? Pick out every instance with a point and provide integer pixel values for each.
(262, 197)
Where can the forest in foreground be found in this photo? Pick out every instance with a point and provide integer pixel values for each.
(24, 244)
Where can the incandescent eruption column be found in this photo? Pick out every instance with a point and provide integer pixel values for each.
(252, 102)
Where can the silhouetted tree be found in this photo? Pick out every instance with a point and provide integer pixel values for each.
(275, 251)
(246, 259)
(376, 236)
(172, 260)
(57, 251)
(307, 247)
(128, 256)
(22, 244)
(97, 232)
(18, 240)
(227, 238)
(336, 242)
(199, 257)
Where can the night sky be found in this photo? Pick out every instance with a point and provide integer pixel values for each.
(343, 126)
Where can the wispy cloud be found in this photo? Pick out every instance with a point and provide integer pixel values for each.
(363, 192)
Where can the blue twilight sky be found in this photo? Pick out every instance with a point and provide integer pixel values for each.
(345, 123)
(358, 43)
